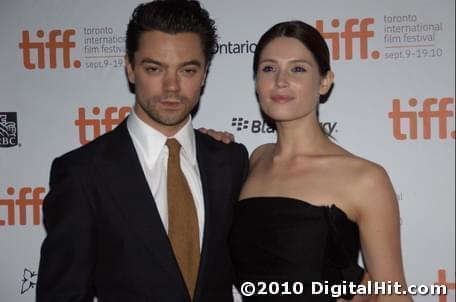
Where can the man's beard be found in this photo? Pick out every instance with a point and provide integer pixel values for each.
(165, 119)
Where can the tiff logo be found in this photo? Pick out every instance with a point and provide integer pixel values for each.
(8, 129)
(28, 197)
(34, 53)
(111, 117)
(443, 281)
(431, 109)
(354, 29)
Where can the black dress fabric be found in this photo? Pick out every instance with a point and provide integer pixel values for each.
(282, 239)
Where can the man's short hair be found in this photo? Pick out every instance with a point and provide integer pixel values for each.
(172, 17)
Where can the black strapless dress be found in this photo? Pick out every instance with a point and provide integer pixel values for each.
(283, 239)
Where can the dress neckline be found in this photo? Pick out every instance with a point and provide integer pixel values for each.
(298, 201)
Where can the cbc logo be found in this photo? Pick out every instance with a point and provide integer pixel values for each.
(35, 52)
(8, 129)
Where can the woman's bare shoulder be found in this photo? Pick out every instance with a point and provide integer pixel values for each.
(365, 172)
(368, 184)
(259, 152)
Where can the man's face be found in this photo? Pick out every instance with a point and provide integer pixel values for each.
(168, 72)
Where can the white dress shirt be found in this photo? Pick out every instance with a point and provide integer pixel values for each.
(153, 156)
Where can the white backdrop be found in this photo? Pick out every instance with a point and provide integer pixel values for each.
(62, 83)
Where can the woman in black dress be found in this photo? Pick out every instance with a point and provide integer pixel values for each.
(308, 205)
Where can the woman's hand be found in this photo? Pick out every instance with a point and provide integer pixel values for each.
(224, 136)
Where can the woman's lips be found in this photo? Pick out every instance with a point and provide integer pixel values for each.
(279, 98)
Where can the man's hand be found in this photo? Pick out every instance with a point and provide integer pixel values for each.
(224, 136)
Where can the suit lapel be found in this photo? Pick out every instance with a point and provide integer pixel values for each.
(215, 192)
(126, 180)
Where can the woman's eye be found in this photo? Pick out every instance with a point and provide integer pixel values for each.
(298, 69)
(267, 68)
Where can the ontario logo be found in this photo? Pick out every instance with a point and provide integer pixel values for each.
(8, 129)
(50, 50)
(231, 47)
(28, 280)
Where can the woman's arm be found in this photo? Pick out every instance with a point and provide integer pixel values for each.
(379, 224)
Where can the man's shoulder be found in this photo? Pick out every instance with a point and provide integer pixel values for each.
(95, 148)
(213, 145)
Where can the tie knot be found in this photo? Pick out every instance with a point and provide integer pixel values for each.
(173, 146)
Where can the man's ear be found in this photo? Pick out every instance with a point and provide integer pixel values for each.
(130, 72)
(326, 82)
(203, 82)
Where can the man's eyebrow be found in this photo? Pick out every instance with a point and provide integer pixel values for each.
(192, 62)
(151, 61)
(155, 62)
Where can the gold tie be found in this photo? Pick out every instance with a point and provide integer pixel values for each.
(183, 231)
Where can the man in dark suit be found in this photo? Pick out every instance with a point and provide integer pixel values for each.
(112, 231)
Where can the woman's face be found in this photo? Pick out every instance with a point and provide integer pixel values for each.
(288, 81)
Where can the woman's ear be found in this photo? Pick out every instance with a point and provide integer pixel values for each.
(326, 82)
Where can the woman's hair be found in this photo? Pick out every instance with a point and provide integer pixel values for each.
(301, 31)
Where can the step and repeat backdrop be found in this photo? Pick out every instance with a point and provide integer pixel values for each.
(62, 83)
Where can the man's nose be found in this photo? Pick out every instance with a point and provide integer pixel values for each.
(171, 81)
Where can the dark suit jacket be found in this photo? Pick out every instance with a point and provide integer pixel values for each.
(105, 237)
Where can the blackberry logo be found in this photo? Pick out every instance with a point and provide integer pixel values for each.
(28, 280)
(240, 123)
(261, 126)
(8, 129)
(255, 126)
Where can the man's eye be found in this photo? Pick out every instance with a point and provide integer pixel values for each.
(189, 71)
(152, 69)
